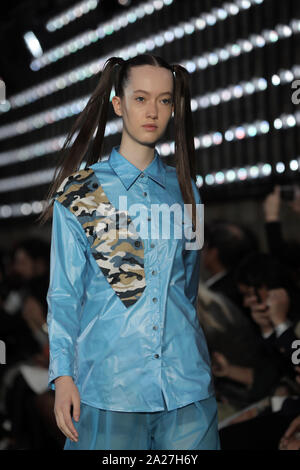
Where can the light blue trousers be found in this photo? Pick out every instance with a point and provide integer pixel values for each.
(194, 426)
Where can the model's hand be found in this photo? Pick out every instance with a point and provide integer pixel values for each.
(66, 394)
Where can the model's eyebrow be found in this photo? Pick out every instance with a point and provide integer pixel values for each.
(147, 93)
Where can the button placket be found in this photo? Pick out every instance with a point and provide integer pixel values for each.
(154, 287)
(153, 280)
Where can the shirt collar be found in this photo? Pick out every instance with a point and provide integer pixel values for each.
(128, 173)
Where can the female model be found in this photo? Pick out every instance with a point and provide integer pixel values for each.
(128, 359)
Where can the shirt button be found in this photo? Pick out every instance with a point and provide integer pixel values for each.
(95, 185)
(145, 194)
(137, 243)
(142, 175)
(154, 272)
(148, 218)
(155, 327)
(152, 245)
(156, 356)
(154, 299)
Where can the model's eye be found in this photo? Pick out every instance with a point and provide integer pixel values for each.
(166, 100)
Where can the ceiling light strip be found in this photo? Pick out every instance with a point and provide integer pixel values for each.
(71, 14)
(104, 29)
(131, 16)
(208, 59)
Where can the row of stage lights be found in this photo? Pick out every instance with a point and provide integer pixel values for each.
(104, 29)
(246, 173)
(84, 7)
(208, 59)
(158, 40)
(131, 16)
(226, 176)
(201, 141)
(214, 98)
(71, 14)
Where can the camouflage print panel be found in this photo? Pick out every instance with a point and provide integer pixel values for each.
(121, 259)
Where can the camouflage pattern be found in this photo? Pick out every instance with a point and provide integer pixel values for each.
(121, 259)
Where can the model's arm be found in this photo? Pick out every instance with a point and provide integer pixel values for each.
(65, 292)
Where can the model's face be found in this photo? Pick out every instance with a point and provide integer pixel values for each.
(153, 105)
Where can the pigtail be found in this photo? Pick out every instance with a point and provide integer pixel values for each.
(184, 138)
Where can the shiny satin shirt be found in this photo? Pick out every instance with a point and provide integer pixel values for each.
(122, 319)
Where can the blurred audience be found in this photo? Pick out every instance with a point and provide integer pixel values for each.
(287, 251)
(23, 380)
(244, 369)
(269, 284)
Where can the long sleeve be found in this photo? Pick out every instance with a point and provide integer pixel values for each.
(192, 260)
(65, 292)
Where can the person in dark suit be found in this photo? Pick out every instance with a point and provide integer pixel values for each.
(224, 246)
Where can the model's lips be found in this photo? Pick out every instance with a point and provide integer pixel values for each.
(150, 127)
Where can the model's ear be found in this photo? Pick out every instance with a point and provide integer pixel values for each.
(116, 102)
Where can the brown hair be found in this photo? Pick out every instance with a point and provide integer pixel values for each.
(116, 73)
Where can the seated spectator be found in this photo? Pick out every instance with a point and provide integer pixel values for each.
(23, 299)
(273, 300)
(267, 293)
(270, 430)
(244, 370)
(291, 438)
(225, 245)
(287, 251)
(24, 379)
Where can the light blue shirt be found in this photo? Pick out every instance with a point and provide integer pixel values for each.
(126, 357)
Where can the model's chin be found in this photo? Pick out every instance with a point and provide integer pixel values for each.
(151, 135)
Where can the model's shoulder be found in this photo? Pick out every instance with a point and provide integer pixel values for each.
(74, 180)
